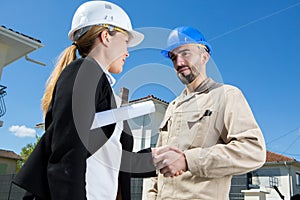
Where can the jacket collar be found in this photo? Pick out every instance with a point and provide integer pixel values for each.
(207, 85)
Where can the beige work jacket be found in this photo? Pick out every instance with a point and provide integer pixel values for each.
(215, 128)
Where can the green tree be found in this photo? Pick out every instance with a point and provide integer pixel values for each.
(26, 151)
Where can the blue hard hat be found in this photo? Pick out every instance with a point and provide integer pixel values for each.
(184, 35)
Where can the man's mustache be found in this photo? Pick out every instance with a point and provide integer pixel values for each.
(181, 67)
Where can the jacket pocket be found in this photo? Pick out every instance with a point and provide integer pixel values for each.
(164, 130)
(199, 127)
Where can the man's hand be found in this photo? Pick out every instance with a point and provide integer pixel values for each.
(170, 161)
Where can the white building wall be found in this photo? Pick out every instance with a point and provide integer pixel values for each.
(286, 180)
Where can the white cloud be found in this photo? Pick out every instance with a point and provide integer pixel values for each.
(22, 131)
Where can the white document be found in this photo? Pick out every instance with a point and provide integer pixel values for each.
(123, 113)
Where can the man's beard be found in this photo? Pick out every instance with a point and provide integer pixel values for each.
(187, 79)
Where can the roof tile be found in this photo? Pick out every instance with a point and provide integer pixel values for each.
(274, 157)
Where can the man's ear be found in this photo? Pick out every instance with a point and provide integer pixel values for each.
(205, 57)
(105, 37)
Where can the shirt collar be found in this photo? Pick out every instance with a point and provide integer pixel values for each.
(110, 78)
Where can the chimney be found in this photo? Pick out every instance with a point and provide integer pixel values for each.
(124, 92)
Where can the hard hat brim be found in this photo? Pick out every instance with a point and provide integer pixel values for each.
(135, 38)
(165, 52)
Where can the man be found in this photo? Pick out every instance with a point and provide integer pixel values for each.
(208, 133)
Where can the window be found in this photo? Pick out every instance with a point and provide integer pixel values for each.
(298, 178)
(3, 168)
(136, 188)
(273, 181)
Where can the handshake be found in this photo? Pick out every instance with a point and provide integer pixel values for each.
(170, 161)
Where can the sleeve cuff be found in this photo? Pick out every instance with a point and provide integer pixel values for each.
(192, 157)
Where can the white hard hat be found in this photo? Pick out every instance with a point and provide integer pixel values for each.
(103, 13)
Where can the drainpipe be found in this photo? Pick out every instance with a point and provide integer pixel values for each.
(34, 61)
(143, 133)
(290, 184)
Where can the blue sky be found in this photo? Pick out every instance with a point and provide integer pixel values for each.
(255, 47)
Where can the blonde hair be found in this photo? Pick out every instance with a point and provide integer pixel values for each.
(84, 45)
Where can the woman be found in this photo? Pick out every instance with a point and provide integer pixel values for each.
(71, 161)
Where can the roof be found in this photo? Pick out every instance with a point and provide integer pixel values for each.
(31, 38)
(40, 126)
(9, 154)
(14, 45)
(150, 97)
(274, 157)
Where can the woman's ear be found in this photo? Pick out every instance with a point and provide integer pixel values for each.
(105, 37)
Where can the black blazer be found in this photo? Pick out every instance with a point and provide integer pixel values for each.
(56, 168)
